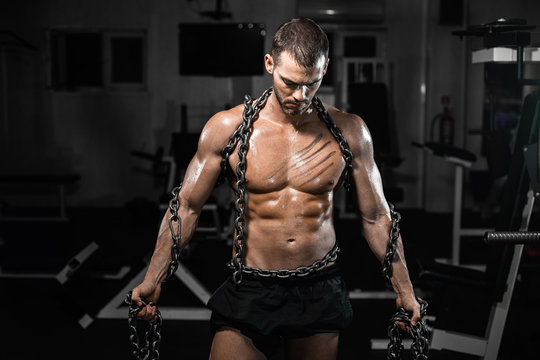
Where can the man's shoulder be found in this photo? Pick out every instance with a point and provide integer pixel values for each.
(344, 120)
(223, 123)
(219, 128)
(353, 128)
(227, 119)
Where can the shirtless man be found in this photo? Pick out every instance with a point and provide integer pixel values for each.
(294, 165)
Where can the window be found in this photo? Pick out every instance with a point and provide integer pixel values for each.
(90, 59)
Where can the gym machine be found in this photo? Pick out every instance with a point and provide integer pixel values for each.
(521, 189)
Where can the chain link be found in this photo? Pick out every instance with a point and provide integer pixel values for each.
(152, 337)
(175, 232)
(338, 135)
(387, 269)
(301, 271)
(149, 350)
(242, 135)
(418, 332)
(240, 138)
(251, 111)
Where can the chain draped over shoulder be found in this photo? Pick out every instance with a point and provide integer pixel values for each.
(240, 139)
(252, 109)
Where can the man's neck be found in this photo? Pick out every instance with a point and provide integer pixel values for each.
(277, 115)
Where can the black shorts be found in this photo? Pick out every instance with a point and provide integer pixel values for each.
(268, 310)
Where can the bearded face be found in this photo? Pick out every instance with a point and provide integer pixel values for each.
(294, 85)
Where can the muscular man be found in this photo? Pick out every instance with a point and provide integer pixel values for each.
(293, 167)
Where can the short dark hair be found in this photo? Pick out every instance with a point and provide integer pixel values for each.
(303, 38)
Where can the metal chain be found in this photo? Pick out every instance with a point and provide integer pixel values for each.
(338, 135)
(251, 111)
(301, 271)
(175, 232)
(235, 137)
(152, 337)
(387, 269)
(242, 135)
(418, 332)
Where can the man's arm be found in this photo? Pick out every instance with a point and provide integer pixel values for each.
(199, 181)
(374, 209)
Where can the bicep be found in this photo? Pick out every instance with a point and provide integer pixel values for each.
(200, 178)
(366, 176)
(369, 189)
(204, 169)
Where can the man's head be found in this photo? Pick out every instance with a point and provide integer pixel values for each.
(303, 39)
(298, 63)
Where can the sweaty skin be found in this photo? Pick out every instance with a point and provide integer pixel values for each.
(294, 166)
(291, 176)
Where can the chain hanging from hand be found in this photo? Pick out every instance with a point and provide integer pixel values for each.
(152, 335)
(418, 332)
(149, 349)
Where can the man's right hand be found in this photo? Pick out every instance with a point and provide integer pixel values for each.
(150, 292)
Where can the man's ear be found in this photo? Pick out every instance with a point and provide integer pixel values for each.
(326, 66)
(269, 63)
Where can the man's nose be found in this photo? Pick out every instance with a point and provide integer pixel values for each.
(299, 93)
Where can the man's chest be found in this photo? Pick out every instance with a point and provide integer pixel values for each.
(309, 161)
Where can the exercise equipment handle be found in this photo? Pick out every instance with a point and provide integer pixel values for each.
(512, 237)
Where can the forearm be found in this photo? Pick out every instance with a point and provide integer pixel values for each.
(161, 258)
(400, 279)
(377, 234)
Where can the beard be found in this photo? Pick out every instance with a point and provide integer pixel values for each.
(294, 110)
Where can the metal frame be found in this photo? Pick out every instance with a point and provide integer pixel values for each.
(457, 230)
(114, 309)
(488, 346)
(63, 276)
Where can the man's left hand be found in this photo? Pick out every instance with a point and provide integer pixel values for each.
(412, 306)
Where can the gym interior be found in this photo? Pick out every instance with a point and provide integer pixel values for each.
(101, 107)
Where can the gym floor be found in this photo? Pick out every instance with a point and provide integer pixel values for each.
(40, 315)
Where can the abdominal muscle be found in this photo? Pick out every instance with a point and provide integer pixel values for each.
(288, 229)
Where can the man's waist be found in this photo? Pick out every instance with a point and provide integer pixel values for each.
(301, 271)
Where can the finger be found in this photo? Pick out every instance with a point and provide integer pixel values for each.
(136, 298)
(150, 313)
(142, 314)
(147, 317)
(416, 318)
(402, 326)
